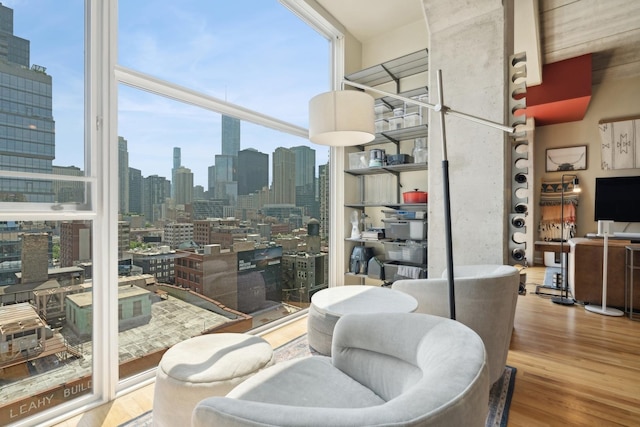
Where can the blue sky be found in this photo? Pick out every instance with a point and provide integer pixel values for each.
(254, 53)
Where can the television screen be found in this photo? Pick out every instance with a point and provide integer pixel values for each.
(618, 199)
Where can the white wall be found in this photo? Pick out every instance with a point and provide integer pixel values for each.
(611, 99)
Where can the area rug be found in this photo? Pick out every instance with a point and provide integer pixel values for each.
(499, 397)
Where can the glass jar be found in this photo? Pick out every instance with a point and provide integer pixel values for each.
(420, 150)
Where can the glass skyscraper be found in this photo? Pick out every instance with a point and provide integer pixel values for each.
(253, 171)
(27, 138)
(230, 136)
(284, 176)
(226, 185)
(123, 175)
(177, 162)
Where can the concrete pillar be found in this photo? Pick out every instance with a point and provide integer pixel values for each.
(471, 43)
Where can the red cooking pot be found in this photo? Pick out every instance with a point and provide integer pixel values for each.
(415, 196)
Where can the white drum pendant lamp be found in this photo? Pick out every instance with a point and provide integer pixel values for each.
(341, 118)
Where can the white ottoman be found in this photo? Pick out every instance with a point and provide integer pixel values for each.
(328, 305)
(201, 367)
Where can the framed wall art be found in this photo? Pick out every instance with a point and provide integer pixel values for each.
(566, 159)
(620, 143)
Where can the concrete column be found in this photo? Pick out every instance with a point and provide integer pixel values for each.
(471, 43)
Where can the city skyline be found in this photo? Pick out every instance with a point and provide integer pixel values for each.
(225, 59)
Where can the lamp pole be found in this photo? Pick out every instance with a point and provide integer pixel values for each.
(446, 199)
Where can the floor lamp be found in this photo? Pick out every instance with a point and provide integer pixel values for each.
(564, 299)
(346, 118)
(603, 230)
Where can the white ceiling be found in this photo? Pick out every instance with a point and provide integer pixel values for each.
(366, 19)
(569, 28)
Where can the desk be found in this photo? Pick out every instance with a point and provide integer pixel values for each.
(629, 256)
(544, 246)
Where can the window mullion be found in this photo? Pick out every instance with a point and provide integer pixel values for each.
(101, 123)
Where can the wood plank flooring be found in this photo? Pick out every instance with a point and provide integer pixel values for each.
(575, 368)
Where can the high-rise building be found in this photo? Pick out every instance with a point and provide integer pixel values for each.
(68, 191)
(177, 162)
(306, 180)
(253, 171)
(27, 140)
(11, 250)
(211, 181)
(284, 176)
(184, 186)
(226, 186)
(225, 183)
(155, 191)
(123, 176)
(124, 238)
(324, 187)
(198, 192)
(176, 233)
(305, 166)
(230, 136)
(75, 242)
(135, 190)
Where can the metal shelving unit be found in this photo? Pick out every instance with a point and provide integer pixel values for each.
(387, 72)
(393, 71)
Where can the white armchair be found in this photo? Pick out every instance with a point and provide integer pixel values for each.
(389, 369)
(486, 298)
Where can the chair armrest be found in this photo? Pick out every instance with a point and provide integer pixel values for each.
(481, 270)
(432, 294)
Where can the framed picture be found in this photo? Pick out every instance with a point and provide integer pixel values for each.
(567, 159)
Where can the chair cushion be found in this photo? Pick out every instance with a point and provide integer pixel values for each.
(203, 366)
(318, 382)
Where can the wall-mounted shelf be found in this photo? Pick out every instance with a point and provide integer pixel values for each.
(349, 239)
(396, 103)
(391, 205)
(407, 167)
(397, 135)
(394, 70)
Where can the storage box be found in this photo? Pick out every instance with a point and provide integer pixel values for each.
(412, 119)
(399, 159)
(382, 125)
(405, 229)
(396, 123)
(412, 252)
(396, 271)
(404, 214)
(359, 160)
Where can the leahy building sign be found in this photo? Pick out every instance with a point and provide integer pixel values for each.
(31, 405)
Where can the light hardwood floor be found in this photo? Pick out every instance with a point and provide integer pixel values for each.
(575, 368)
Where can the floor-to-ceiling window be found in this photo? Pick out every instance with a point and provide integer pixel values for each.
(47, 211)
(184, 190)
(210, 95)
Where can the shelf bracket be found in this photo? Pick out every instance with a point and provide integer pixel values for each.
(395, 79)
